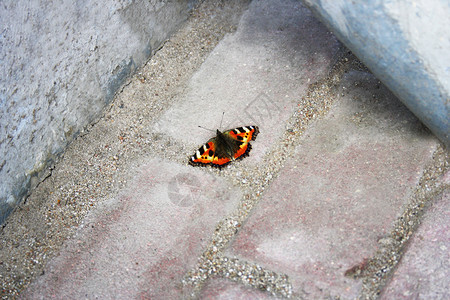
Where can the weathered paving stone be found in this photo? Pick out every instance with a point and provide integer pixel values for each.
(339, 193)
(140, 244)
(221, 289)
(424, 271)
(256, 75)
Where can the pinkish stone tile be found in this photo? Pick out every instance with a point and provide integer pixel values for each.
(256, 76)
(222, 289)
(424, 271)
(340, 193)
(141, 243)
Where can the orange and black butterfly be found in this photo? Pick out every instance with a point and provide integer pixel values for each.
(225, 147)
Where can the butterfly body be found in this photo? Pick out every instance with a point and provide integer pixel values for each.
(225, 147)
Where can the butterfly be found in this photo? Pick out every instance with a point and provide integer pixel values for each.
(225, 147)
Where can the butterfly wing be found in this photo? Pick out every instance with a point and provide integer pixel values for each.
(206, 155)
(225, 147)
(243, 135)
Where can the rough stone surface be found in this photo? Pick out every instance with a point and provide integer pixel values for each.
(330, 194)
(270, 61)
(424, 271)
(140, 244)
(348, 181)
(98, 164)
(61, 64)
(224, 289)
(404, 45)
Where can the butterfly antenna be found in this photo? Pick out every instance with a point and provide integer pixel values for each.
(221, 121)
(206, 128)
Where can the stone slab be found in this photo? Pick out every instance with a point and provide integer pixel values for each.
(222, 289)
(424, 271)
(256, 75)
(346, 183)
(140, 244)
(404, 45)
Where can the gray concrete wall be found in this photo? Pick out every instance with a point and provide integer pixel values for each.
(405, 44)
(61, 63)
